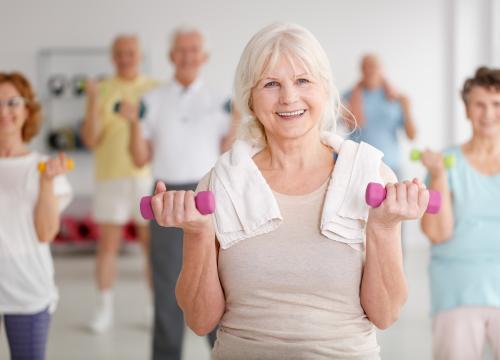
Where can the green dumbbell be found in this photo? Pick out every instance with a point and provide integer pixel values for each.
(449, 160)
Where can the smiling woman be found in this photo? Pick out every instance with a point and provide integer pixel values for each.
(286, 267)
(30, 203)
(307, 67)
(464, 269)
(22, 103)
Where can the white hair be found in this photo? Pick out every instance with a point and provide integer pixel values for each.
(125, 36)
(184, 30)
(263, 52)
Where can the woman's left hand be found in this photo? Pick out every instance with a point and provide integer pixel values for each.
(54, 167)
(404, 201)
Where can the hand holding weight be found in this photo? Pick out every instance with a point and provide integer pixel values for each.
(375, 194)
(204, 200)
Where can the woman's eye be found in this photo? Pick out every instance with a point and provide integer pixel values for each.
(271, 84)
(303, 81)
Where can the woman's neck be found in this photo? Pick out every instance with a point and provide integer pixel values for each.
(296, 154)
(483, 146)
(12, 146)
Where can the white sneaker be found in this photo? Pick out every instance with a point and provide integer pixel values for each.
(103, 318)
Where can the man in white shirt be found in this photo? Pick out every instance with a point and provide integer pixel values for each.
(182, 133)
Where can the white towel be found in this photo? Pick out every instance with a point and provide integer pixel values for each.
(246, 206)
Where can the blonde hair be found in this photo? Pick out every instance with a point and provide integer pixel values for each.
(262, 52)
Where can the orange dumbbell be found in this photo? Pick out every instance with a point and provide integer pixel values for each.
(69, 165)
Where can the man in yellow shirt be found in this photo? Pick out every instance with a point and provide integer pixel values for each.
(119, 183)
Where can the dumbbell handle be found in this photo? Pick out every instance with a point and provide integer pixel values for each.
(204, 201)
(449, 160)
(69, 165)
(375, 194)
(142, 108)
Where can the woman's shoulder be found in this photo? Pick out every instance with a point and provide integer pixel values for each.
(387, 174)
(203, 184)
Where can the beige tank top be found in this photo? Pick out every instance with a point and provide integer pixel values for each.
(293, 293)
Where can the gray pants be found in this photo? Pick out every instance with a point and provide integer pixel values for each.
(166, 259)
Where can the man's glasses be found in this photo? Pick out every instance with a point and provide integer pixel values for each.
(13, 103)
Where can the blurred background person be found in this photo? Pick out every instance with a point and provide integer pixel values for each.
(119, 182)
(184, 130)
(465, 235)
(379, 112)
(30, 205)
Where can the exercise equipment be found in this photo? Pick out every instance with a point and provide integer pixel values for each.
(204, 200)
(142, 109)
(77, 229)
(449, 160)
(78, 85)
(130, 231)
(56, 84)
(66, 138)
(70, 165)
(375, 194)
(86, 230)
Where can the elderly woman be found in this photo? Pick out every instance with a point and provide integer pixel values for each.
(465, 265)
(284, 265)
(30, 203)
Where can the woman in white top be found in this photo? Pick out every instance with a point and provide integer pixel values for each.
(291, 292)
(30, 203)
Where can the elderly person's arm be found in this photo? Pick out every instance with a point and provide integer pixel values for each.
(91, 127)
(409, 123)
(140, 149)
(438, 227)
(199, 291)
(383, 286)
(46, 213)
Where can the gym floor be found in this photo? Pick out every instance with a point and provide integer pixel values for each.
(409, 338)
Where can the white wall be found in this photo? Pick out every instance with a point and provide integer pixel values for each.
(411, 37)
(475, 43)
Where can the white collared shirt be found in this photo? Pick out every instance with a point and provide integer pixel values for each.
(185, 127)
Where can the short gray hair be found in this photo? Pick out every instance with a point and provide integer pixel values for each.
(262, 52)
(183, 30)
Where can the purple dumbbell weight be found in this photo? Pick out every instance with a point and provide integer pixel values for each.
(204, 200)
(375, 195)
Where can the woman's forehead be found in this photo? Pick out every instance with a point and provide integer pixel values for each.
(284, 64)
(8, 88)
(479, 92)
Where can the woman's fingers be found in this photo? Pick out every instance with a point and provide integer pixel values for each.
(406, 201)
(174, 208)
(160, 187)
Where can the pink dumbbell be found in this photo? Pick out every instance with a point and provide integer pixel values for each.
(204, 200)
(375, 195)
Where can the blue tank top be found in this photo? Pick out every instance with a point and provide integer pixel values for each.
(465, 270)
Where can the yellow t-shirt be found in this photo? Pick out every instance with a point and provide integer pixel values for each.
(112, 155)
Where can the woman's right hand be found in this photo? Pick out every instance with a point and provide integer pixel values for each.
(178, 209)
(434, 162)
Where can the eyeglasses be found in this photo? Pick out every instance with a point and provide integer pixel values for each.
(13, 103)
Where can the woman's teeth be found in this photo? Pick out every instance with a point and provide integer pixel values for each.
(291, 113)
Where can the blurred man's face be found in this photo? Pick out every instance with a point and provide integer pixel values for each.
(127, 56)
(188, 56)
(371, 71)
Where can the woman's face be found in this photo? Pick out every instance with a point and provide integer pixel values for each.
(13, 111)
(288, 101)
(483, 110)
